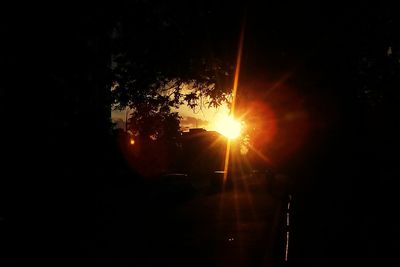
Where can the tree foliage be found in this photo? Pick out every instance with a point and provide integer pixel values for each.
(167, 55)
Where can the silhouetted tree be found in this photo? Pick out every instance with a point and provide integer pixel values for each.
(169, 54)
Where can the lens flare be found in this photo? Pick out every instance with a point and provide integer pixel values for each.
(228, 126)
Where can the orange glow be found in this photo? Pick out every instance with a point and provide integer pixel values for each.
(228, 126)
(235, 126)
(132, 142)
(237, 70)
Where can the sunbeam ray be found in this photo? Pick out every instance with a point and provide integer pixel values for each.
(234, 94)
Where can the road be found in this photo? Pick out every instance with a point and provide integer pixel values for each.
(233, 227)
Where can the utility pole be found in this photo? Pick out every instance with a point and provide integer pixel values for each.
(126, 119)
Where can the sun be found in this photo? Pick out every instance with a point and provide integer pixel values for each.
(228, 126)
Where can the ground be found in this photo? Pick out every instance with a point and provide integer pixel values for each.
(235, 227)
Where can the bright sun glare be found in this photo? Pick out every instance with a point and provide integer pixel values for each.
(228, 126)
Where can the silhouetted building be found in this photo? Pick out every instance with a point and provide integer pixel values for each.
(202, 151)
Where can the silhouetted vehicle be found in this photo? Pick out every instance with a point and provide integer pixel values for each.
(221, 180)
(230, 180)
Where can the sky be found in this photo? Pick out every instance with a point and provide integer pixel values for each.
(198, 118)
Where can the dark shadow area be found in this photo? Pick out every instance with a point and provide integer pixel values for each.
(320, 81)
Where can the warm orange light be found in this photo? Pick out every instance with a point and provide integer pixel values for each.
(132, 142)
(228, 126)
